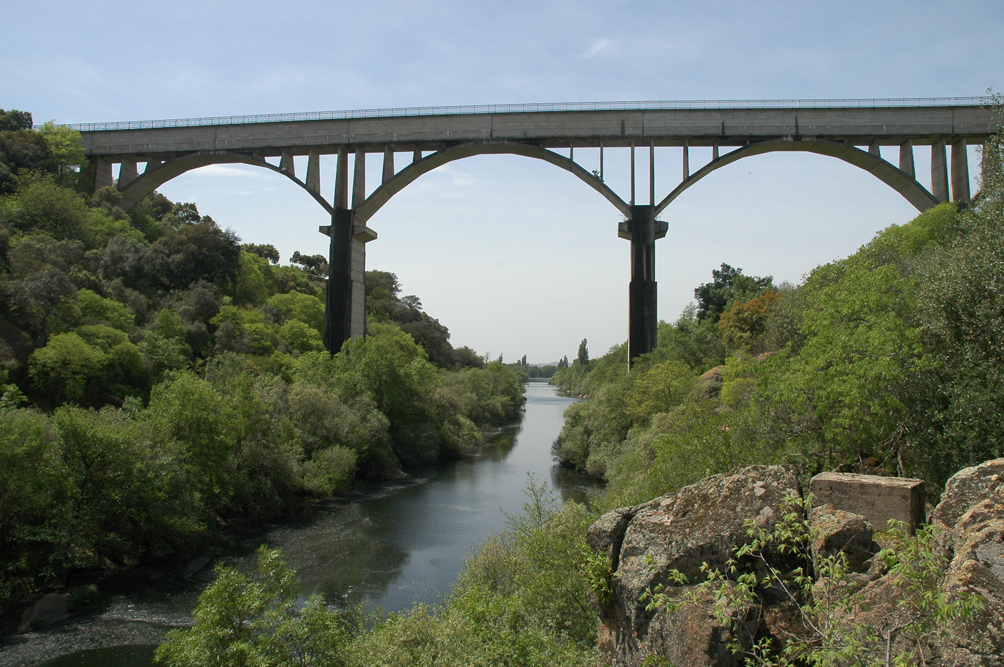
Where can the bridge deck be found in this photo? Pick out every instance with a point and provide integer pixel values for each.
(728, 125)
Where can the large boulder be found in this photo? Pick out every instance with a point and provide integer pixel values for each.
(836, 531)
(49, 610)
(702, 523)
(967, 488)
(973, 508)
(978, 568)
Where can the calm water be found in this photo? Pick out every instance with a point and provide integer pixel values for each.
(395, 547)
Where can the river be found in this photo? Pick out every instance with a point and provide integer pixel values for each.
(393, 546)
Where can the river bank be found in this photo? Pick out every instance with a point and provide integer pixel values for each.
(392, 545)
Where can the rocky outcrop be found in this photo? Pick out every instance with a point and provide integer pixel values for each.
(709, 385)
(704, 523)
(700, 524)
(973, 509)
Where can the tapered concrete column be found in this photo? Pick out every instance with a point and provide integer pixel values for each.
(686, 160)
(643, 320)
(342, 179)
(359, 179)
(939, 171)
(96, 174)
(314, 172)
(632, 174)
(388, 165)
(127, 171)
(151, 165)
(651, 173)
(906, 158)
(286, 163)
(960, 171)
(873, 149)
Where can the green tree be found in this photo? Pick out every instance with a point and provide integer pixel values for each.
(253, 283)
(22, 154)
(65, 366)
(315, 265)
(14, 120)
(243, 621)
(659, 389)
(67, 151)
(266, 251)
(306, 308)
(389, 367)
(727, 285)
(301, 336)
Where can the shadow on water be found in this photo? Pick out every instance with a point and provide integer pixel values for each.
(393, 546)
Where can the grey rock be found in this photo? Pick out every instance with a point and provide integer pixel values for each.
(49, 610)
(966, 488)
(838, 531)
(701, 523)
(978, 568)
(606, 534)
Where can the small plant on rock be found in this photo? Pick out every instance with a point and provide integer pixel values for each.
(839, 617)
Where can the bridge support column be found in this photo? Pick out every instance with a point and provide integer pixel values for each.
(939, 171)
(906, 158)
(642, 229)
(96, 174)
(960, 171)
(127, 171)
(338, 299)
(345, 301)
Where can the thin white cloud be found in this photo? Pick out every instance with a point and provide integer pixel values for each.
(464, 180)
(600, 47)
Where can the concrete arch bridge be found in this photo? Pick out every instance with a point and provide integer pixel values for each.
(849, 130)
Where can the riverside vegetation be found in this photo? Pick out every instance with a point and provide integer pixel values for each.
(886, 362)
(159, 377)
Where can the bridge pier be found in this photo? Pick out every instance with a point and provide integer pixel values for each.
(345, 300)
(642, 229)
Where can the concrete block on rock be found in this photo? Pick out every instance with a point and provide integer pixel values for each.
(876, 498)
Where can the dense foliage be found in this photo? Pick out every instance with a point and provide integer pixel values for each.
(157, 375)
(885, 362)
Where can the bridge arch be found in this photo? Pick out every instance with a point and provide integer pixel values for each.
(899, 180)
(151, 179)
(412, 172)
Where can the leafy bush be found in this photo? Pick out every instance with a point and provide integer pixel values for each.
(242, 620)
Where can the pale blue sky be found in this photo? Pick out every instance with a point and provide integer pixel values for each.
(515, 256)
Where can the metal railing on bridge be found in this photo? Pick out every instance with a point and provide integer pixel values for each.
(903, 102)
